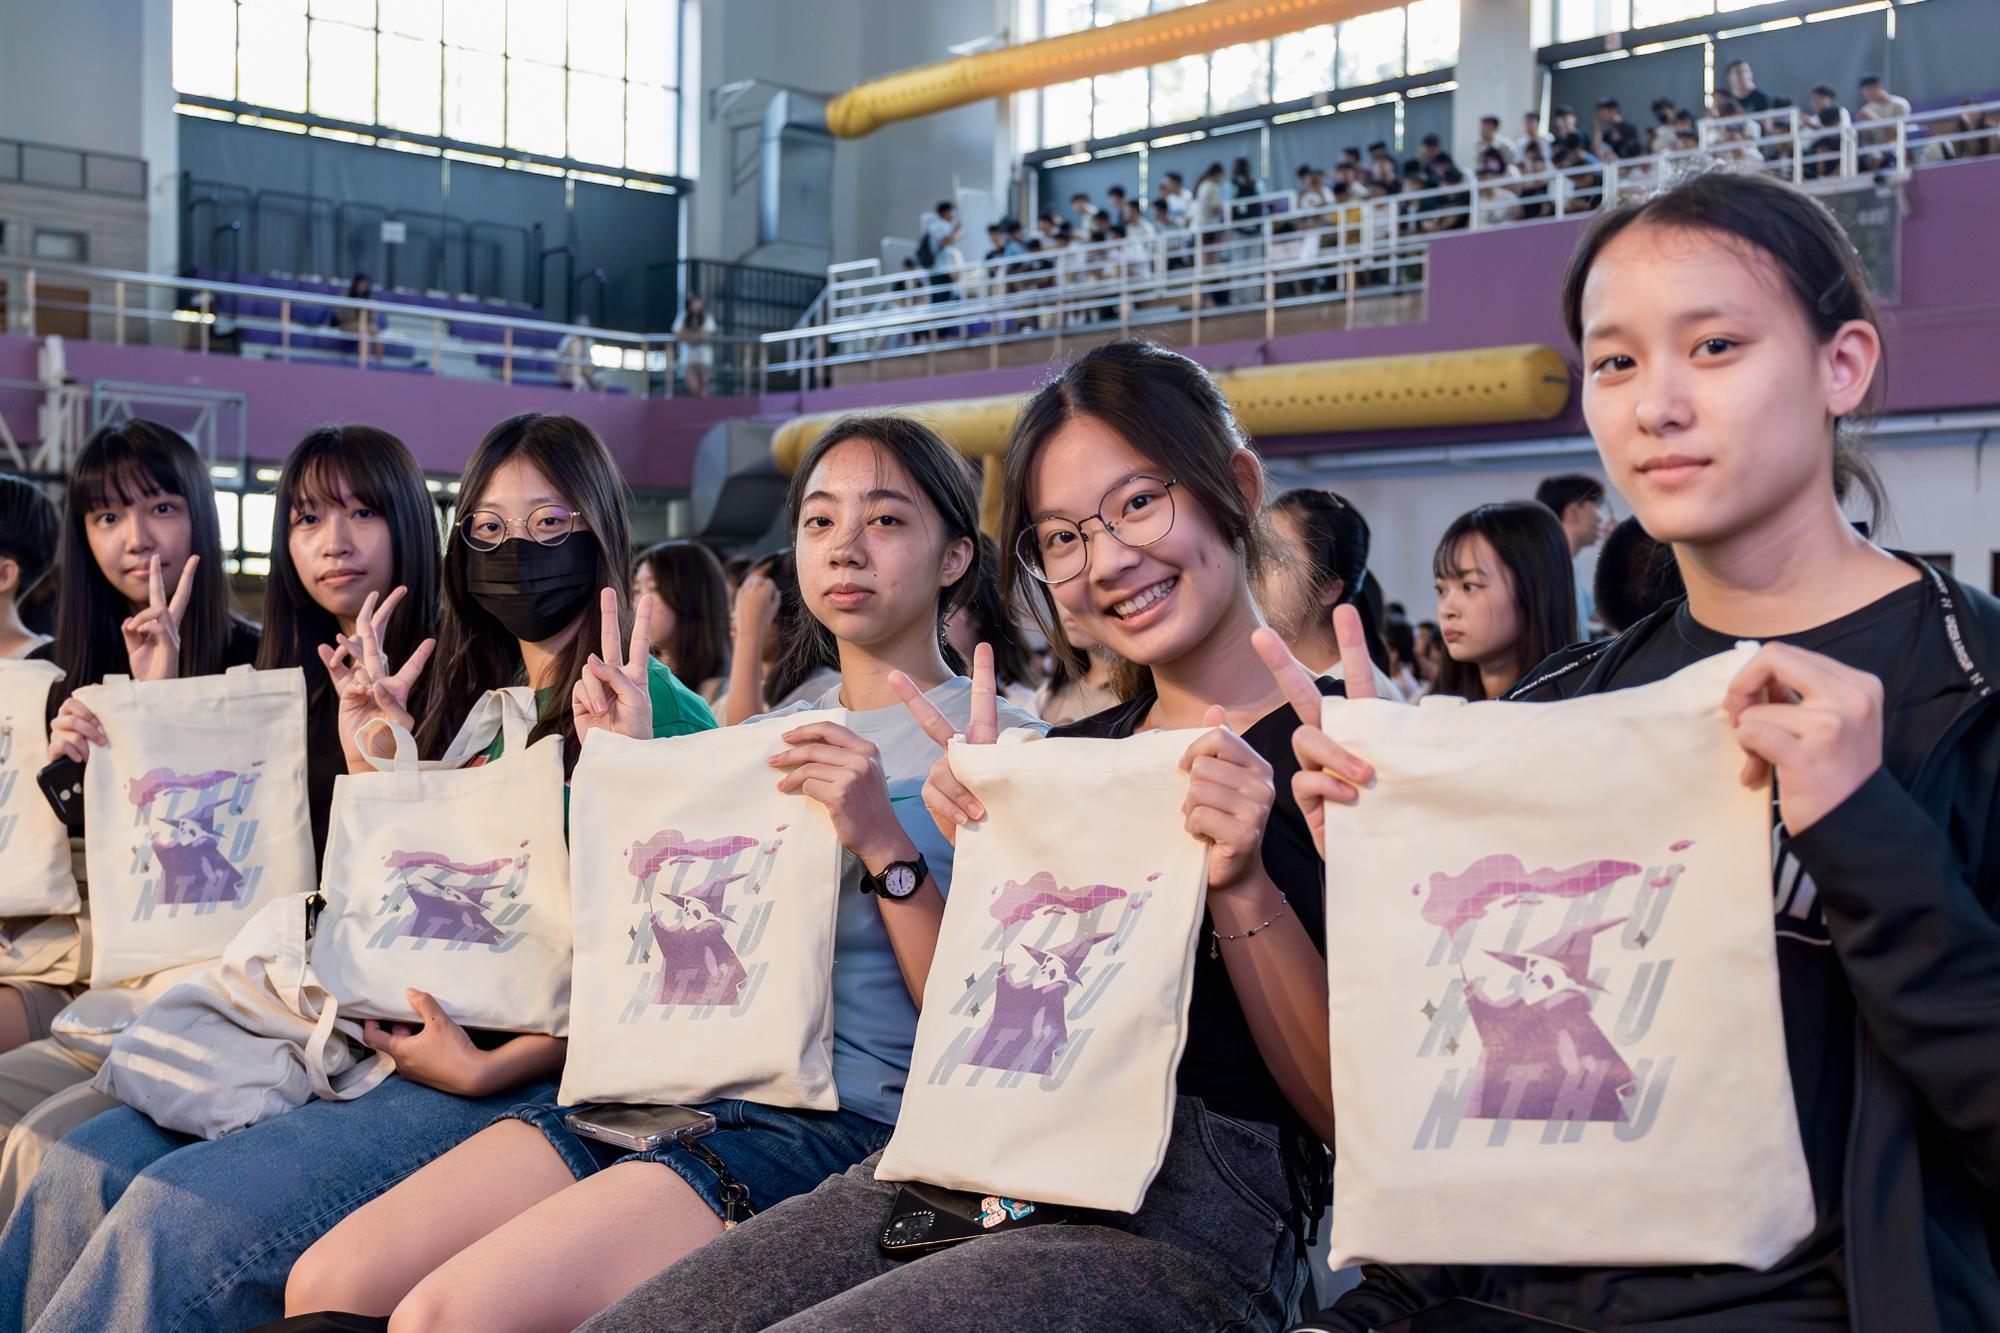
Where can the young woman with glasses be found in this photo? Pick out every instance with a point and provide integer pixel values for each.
(884, 518)
(533, 582)
(1131, 502)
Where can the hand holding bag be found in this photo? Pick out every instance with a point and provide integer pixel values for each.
(704, 902)
(1056, 1007)
(35, 877)
(453, 881)
(194, 815)
(248, 1037)
(1556, 1032)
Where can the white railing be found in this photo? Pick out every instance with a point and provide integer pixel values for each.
(1269, 254)
(211, 317)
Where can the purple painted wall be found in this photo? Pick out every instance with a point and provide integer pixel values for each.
(1487, 289)
(654, 440)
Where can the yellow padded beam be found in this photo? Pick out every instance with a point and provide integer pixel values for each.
(1192, 30)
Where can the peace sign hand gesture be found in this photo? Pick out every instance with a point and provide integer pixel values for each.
(612, 692)
(950, 803)
(153, 636)
(365, 685)
(1326, 772)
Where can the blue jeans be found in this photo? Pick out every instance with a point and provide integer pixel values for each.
(130, 1226)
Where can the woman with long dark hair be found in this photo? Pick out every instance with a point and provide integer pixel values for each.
(1729, 344)
(353, 519)
(884, 517)
(690, 612)
(1506, 597)
(534, 590)
(774, 662)
(983, 619)
(1318, 544)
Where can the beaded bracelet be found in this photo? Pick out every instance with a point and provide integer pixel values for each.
(1216, 937)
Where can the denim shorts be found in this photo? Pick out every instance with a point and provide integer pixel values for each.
(772, 1152)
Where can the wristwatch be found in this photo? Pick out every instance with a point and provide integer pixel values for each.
(899, 879)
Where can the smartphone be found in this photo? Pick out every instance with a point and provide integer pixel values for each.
(640, 1128)
(62, 783)
(1463, 1315)
(929, 1217)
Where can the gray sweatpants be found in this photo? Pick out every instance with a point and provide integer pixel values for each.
(1210, 1249)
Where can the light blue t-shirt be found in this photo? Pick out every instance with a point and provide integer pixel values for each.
(874, 1019)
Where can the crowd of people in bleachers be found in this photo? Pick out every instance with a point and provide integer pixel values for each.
(1551, 169)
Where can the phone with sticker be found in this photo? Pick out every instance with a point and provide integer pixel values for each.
(929, 1217)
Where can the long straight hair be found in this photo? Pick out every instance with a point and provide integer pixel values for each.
(945, 480)
(377, 469)
(1529, 540)
(126, 464)
(1336, 539)
(1169, 410)
(475, 652)
(688, 578)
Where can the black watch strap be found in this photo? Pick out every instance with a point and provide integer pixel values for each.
(886, 883)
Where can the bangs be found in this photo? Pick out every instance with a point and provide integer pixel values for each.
(120, 474)
(319, 481)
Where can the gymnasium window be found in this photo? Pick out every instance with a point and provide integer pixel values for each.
(595, 81)
(1414, 38)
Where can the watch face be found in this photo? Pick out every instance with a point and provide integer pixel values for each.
(901, 882)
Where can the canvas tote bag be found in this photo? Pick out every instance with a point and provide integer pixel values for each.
(248, 1037)
(1554, 985)
(452, 880)
(704, 902)
(195, 815)
(1056, 1008)
(35, 877)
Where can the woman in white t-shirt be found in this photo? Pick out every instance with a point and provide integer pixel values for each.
(693, 328)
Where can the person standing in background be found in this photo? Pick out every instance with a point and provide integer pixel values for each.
(1578, 501)
(694, 330)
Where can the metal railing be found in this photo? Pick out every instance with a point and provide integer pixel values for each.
(229, 318)
(1266, 252)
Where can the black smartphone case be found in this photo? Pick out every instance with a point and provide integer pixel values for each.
(930, 1217)
(62, 783)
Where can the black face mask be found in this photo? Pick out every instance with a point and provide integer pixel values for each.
(533, 590)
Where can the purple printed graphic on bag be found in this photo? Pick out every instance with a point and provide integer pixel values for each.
(1529, 1042)
(195, 835)
(1054, 947)
(458, 903)
(686, 887)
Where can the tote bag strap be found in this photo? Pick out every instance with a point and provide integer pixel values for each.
(509, 713)
(404, 760)
(379, 1066)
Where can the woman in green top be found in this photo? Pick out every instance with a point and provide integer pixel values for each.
(534, 574)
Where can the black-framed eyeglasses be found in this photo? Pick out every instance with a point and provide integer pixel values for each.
(548, 525)
(1136, 512)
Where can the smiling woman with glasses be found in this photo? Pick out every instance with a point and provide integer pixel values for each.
(1137, 512)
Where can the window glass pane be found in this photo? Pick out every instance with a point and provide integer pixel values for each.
(1066, 113)
(597, 36)
(361, 13)
(1648, 12)
(597, 119)
(535, 96)
(1180, 90)
(205, 47)
(1302, 63)
(409, 84)
(259, 513)
(227, 506)
(1433, 34)
(343, 72)
(271, 55)
(414, 18)
(1120, 103)
(535, 30)
(1576, 19)
(1061, 16)
(475, 96)
(649, 128)
(1239, 76)
(1371, 48)
(1117, 11)
(650, 54)
(474, 24)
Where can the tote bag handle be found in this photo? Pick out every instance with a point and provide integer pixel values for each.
(508, 713)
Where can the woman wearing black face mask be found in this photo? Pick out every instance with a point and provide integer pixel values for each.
(533, 585)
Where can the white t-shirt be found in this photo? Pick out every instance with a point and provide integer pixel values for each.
(939, 230)
(696, 353)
